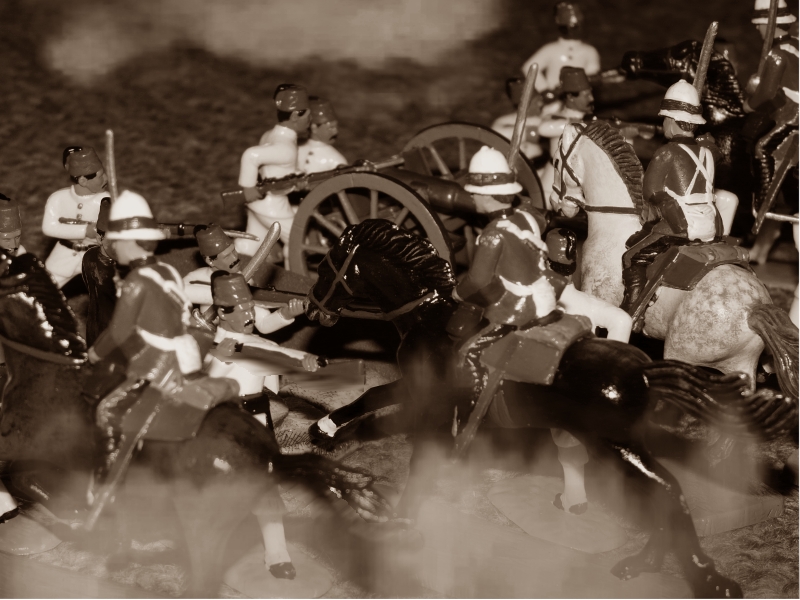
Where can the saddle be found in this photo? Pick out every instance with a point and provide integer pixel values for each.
(681, 267)
(533, 355)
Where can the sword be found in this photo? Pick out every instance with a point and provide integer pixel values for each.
(705, 58)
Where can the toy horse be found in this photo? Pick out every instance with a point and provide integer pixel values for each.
(721, 318)
(600, 394)
(45, 419)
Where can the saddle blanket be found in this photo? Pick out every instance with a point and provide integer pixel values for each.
(533, 355)
(682, 267)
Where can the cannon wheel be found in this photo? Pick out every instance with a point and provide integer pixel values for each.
(446, 150)
(349, 199)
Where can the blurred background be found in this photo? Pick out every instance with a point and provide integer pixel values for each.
(186, 85)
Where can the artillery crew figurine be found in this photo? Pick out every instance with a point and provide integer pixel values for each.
(317, 154)
(219, 253)
(274, 157)
(69, 212)
(567, 51)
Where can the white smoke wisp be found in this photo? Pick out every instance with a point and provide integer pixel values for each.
(98, 36)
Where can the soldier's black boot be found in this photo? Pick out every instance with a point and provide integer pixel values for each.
(634, 278)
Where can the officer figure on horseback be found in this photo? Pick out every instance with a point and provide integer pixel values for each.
(678, 190)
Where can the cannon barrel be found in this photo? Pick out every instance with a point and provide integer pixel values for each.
(443, 195)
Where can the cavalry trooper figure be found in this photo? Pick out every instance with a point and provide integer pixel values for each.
(510, 287)
(10, 227)
(578, 103)
(275, 156)
(150, 341)
(678, 190)
(70, 213)
(775, 95)
(257, 383)
(318, 154)
(567, 51)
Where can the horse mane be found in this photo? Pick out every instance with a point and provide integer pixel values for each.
(722, 97)
(622, 156)
(27, 282)
(402, 250)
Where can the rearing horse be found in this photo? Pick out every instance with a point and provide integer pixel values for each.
(723, 323)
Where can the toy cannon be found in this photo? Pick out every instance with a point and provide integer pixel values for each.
(419, 190)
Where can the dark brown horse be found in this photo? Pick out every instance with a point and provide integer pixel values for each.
(45, 420)
(601, 393)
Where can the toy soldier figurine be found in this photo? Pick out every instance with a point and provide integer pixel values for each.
(275, 156)
(318, 153)
(504, 125)
(10, 226)
(775, 93)
(149, 347)
(678, 190)
(578, 102)
(99, 273)
(69, 212)
(568, 51)
(237, 317)
(219, 253)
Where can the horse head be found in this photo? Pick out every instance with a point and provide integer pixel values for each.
(375, 262)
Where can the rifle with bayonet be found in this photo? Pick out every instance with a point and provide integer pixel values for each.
(304, 181)
(182, 229)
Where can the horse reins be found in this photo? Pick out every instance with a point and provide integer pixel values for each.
(562, 193)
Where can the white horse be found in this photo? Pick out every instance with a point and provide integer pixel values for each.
(723, 323)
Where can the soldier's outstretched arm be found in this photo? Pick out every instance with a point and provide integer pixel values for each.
(123, 321)
(600, 313)
(481, 272)
(255, 157)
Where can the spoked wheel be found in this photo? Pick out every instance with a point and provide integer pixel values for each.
(445, 151)
(349, 199)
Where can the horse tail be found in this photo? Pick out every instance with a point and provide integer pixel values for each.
(774, 326)
(323, 475)
(722, 400)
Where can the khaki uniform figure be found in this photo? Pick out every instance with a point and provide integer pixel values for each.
(317, 154)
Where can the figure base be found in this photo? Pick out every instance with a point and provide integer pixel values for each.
(23, 536)
(251, 577)
(528, 502)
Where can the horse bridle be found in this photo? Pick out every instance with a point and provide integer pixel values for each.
(562, 192)
(339, 277)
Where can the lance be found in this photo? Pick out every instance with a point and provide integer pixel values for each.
(112, 167)
(705, 59)
(522, 114)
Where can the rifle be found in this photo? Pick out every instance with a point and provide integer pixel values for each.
(303, 181)
(182, 229)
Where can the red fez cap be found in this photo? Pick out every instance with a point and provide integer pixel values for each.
(574, 80)
(289, 97)
(229, 289)
(102, 216)
(10, 223)
(212, 240)
(321, 111)
(81, 161)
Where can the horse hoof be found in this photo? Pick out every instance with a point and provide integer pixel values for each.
(628, 568)
(718, 586)
(320, 438)
(7, 516)
(575, 509)
(284, 570)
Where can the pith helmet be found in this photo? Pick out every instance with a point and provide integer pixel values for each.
(682, 103)
(10, 223)
(289, 97)
(574, 80)
(568, 14)
(489, 174)
(212, 240)
(229, 289)
(130, 218)
(321, 111)
(81, 161)
(761, 13)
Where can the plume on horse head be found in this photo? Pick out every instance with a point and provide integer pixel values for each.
(33, 311)
(400, 249)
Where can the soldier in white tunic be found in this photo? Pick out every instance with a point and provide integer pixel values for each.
(71, 213)
(274, 157)
(318, 154)
(567, 51)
